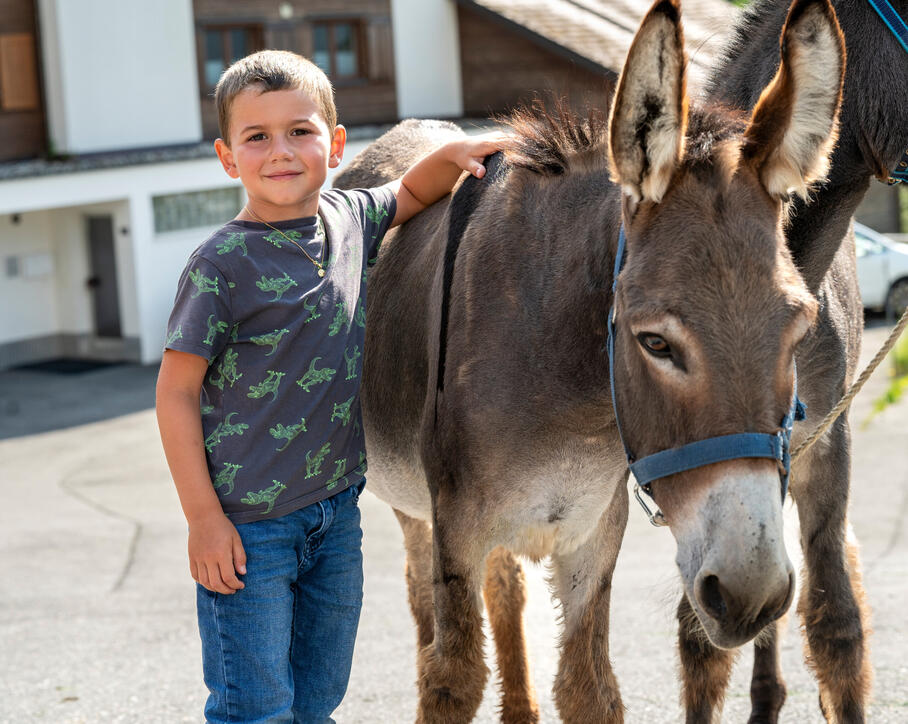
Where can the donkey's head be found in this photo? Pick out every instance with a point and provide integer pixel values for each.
(709, 306)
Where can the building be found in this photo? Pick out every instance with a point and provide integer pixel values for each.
(107, 175)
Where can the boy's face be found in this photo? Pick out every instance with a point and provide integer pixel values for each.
(281, 149)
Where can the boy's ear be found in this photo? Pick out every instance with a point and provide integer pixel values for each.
(226, 157)
(338, 142)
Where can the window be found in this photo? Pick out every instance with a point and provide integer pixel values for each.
(18, 72)
(337, 49)
(197, 208)
(221, 45)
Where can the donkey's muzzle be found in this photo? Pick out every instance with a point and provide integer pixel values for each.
(739, 615)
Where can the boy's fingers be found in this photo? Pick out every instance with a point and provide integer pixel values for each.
(194, 571)
(477, 169)
(228, 576)
(215, 583)
(239, 556)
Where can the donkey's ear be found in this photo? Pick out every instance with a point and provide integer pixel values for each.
(649, 113)
(794, 125)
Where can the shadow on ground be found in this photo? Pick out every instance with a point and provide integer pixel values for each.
(40, 400)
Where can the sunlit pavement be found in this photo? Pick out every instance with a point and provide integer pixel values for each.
(97, 620)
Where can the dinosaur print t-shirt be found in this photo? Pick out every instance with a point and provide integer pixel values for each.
(280, 401)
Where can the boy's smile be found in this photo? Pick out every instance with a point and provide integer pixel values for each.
(281, 149)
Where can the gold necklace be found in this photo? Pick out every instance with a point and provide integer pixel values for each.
(318, 264)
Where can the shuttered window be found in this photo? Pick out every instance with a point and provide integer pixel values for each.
(18, 72)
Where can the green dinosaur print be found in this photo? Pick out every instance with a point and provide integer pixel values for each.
(272, 338)
(226, 370)
(314, 464)
(342, 411)
(226, 477)
(313, 314)
(375, 214)
(288, 433)
(224, 429)
(351, 362)
(174, 336)
(278, 285)
(203, 284)
(339, 467)
(268, 495)
(213, 329)
(340, 319)
(276, 238)
(269, 384)
(360, 318)
(314, 376)
(206, 409)
(362, 456)
(236, 240)
(234, 333)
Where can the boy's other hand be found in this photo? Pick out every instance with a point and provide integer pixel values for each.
(216, 554)
(469, 153)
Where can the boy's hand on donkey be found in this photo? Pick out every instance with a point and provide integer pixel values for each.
(469, 153)
(216, 554)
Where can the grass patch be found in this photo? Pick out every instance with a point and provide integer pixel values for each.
(899, 372)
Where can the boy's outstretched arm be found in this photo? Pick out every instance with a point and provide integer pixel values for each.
(435, 174)
(216, 552)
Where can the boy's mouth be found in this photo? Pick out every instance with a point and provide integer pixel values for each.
(283, 176)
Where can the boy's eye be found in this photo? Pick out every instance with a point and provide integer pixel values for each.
(256, 137)
(300, 132)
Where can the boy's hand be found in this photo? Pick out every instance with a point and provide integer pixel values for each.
(216, 554)
(436, 174)
(469, 153)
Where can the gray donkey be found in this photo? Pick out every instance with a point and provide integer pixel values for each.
(488, 406)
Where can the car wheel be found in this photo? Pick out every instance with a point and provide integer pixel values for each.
(897, 299)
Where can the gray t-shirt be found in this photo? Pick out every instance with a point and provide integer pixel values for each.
(280, 401)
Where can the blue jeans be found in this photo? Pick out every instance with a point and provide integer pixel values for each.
(280, 649)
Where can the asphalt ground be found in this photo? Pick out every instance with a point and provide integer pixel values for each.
(97, 609)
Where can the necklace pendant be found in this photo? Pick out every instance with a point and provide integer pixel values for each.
(321, 272)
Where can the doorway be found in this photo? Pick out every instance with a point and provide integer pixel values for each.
(102, 280)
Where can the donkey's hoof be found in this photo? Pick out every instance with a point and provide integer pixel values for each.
(450, 690)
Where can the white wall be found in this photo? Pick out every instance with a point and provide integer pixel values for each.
(119, 74)
(427, 58)
(29, 304)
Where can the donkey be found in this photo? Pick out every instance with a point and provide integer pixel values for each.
(873, 139)
(487, 401)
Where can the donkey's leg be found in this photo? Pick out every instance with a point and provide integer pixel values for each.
(418, 544)
(704, 669)
(585, 688)
(767, 687)
(504, 591)
(452, 673)
(831, 605)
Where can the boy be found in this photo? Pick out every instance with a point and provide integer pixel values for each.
(268, 328)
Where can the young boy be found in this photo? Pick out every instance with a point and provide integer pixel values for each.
(267, 329)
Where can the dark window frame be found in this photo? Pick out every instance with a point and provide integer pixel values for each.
(255, 36)
(359, 44)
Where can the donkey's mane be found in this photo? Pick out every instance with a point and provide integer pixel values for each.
(549, 136)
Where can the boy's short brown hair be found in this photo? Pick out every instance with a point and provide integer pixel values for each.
(273, 70)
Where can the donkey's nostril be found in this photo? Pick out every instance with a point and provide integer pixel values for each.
(711, 597)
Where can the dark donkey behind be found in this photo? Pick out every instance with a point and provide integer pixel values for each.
(515, 447)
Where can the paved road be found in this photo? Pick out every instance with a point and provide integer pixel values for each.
(97, 608)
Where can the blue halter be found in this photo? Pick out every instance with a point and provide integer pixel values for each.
(775, 446)
(899, 28)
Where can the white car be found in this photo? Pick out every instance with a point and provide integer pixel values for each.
(882, 271)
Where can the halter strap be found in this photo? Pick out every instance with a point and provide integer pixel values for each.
(900, 30)
(775, 446)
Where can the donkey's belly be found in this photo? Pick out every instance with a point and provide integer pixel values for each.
(556, 507)
(399, 481)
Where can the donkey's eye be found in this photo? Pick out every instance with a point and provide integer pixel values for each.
(654, 344)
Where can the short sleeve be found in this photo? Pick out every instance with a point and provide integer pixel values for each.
(376, 209)
(201, 320)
